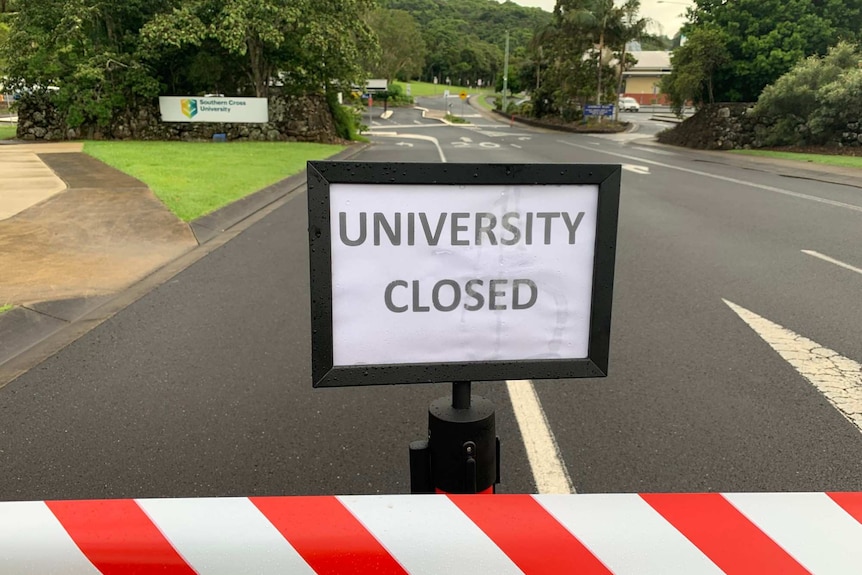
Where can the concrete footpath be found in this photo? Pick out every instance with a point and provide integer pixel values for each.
(80, 240)
(73, 227)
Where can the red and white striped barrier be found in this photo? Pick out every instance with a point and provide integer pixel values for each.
(686, 534)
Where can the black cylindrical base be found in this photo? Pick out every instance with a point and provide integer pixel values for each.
(463, 446)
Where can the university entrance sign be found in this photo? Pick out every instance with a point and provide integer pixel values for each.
(447, 272)
(214, 109)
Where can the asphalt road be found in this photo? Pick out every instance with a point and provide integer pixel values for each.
(203, 387)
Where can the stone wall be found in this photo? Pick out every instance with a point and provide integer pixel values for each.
(292, 119)
(716, 127)
(734, 127)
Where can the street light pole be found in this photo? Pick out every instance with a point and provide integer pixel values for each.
(506, 75)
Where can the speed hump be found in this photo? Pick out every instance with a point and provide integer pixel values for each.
(460, 272)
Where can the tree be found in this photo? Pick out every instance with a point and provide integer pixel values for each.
(473, 29)
(402, 49)
(631, 27)
(694, 67)
(764, 39)
(815, 99)
(86, 48)
(107, 56)
(308, 43)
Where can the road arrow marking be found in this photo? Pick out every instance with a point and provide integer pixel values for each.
(408, 144)
(835, 376)
(636, 169)
(434, 141)
(838, 263)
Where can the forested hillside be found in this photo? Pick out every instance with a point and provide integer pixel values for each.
(465, 39)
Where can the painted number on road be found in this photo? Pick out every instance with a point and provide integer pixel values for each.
(468, 144)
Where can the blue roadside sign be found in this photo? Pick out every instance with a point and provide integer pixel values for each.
(594, 110)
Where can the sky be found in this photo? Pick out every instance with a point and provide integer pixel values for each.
(670, 15)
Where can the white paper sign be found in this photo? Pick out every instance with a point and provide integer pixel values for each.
(228, 110)
(442, 273)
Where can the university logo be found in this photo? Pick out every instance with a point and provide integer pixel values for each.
(189, 108)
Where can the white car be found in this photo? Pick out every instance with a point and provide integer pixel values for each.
(628, 105)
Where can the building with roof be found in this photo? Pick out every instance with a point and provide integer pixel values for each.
(642, 81)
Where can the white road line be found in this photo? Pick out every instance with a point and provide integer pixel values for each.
(546, 462)
(431, 139)
(654, 151)
(725, 179)
(838, 263)
(515, 146)
(644, 170)
(835, 376)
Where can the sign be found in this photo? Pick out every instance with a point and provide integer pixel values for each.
(463, 95)
(429, 272)
(195, 109)
(595, 111)
(376, 85)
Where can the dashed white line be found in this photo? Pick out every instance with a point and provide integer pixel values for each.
(515, 146)
(838, 263)
(654, 151)
(835, 376)
(543, 453)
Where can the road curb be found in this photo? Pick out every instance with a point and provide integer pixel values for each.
(30, 334)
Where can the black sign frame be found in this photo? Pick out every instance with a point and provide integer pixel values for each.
(323, 173)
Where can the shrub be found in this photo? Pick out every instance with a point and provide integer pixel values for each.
(346, 119)
(793, 102)
(839, 104)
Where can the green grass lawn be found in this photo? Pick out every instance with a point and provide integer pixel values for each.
(419, 89)
(196, 178)
(485, 99)
(5, 308)
(7, 132)
(843, 161)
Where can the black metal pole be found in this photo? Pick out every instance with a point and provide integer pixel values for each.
(461, 394)
(462, 452)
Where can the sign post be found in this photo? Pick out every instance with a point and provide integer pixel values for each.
(605, 110)
(424, 273)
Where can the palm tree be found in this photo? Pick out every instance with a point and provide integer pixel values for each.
(606, 16)
(597, 18)
(631, 28)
